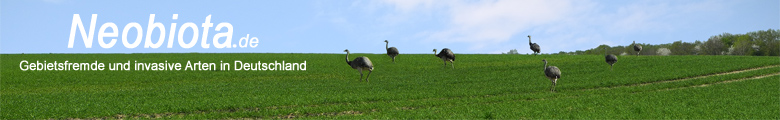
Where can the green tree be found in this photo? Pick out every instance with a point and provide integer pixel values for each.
(713, 46)
(683, 48)
(766, 42)
(512, 51)
(742, 45)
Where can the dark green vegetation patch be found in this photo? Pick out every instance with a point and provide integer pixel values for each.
(416, 86)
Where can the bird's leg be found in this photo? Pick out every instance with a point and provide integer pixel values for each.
(552, 86)
(453, 64)
(393, 59)
(555, 82)
(369, 75)
(361, 74)
(445, 62)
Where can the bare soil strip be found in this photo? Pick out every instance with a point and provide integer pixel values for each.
(293, 115)
(724, 82)
(182, 114)
(685, 79)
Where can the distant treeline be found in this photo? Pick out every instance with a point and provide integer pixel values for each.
(756, 43)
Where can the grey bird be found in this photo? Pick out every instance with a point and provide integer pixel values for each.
(611, 59)
(392, 51)
(360, 63)
(446, 55)
(637, 48)
(534, 46)
(552, 73)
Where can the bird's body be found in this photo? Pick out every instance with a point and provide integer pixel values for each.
(391, 51)
(534, 46)
(637, 48)
(360, 64)
(611, 59)
(446, 55)
(552, 73)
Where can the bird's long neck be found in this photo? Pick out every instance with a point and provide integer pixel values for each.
(347, 58)
(545, 65)
(529, 40)
(434, 53)
(386, 45)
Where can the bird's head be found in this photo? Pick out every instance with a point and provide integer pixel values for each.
(385, 40)
(346, 50)
(529, 36)
(434, 50)
(545, 60)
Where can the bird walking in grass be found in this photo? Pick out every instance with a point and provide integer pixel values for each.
(552, 73)
(446, 55)
(534, 46)
(391, 51)
(611, 59)
(637, 48)
(360, 63)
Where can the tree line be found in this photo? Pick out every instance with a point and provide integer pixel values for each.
(756, 43)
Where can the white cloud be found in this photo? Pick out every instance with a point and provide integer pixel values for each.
(53, 1)
(410, 5)
(653, 16)
(487, 23)
(557, 25)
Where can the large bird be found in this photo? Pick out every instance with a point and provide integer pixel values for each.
(552, 73)
(392, 51)
(534, 46)
(637, 48)
(611, 59)
(360, 63)
(446, 55)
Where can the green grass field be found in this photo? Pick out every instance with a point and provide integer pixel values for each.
(417, 86)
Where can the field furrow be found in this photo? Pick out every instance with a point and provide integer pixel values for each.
(689, 78)
(728, 81)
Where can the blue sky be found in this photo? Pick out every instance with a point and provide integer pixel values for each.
(413, 26)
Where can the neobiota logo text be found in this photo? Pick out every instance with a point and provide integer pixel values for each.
(225, 29)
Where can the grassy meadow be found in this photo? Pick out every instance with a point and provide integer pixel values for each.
(417, 86)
